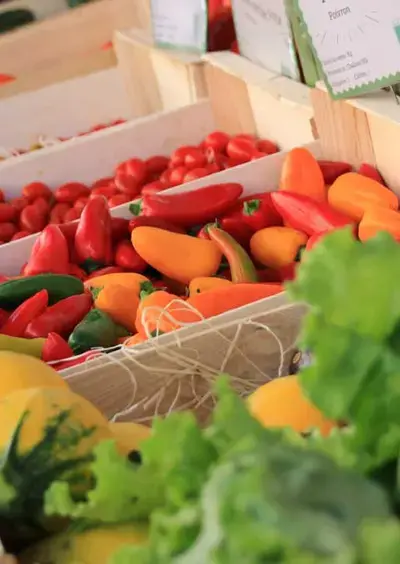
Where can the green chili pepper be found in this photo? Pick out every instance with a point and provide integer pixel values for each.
(97, 329)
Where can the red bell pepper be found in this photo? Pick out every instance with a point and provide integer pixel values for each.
(240, 264)
(235, 224)
(75, 361)
(93, 239)
(288, 272)
(143, 221)
(49, 253)
(191, 208)
(28, 311)
(61, 318)
(371, 172)
(56, 348)
(307, 215)
(126, 257)
(331, 170)
(260, 213)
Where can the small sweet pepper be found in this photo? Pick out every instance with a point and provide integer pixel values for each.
(49, 253)
(97, 329)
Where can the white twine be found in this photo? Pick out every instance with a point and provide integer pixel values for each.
(183, 366)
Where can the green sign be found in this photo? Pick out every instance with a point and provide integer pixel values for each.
(180, 24)
(357, 43)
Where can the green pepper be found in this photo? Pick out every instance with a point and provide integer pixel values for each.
(96, 329)
(58, 286)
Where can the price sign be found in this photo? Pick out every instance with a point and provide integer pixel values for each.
(180, 24)
(357, 43)
(264, 35)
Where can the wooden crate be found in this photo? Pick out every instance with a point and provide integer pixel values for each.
(67, 45)
(365, 129)
(246, 98)
(158, 79)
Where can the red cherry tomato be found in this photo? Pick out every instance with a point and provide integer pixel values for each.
(71, 191)
(7, 231)
(118, 200)
(32, 219)
(195, 174)
(7, 212)
(156, 164)
(127, 184)
(36, 190)
(126, 257)
(195, 158)
(164, 177)
(58, 212)
(20, 235)
(178, 156)
(137, 169)
(71, 215)
(267, 147)
(106, 191)
(241, 149)
(19, 203)
(42, 204)
(248, 136)
(119, 228)
(102, 182)
(74, 270)
(153, 188)
(217, 141)
(80, 203)
(177, 175)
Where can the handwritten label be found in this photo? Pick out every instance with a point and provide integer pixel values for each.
(180, 24)
(356, 41)
(264, 35)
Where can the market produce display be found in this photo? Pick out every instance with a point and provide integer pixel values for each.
(44, 141)
(38, 205)
(315, 481)
(181, 259)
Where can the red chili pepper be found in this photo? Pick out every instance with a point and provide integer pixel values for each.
(104, 271)
(190, 208)
(126, 257)
(93, 235)
(56, 348)
(28, 311)
(240, 264)
(371, 172)
(49, 253)
(143, 221)
(76, 361)
(331, 170)
(260, 213)
(307, 215)
(60, 318)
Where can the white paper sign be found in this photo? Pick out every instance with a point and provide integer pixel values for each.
(356, 41)
(180, 24)
(264, 35)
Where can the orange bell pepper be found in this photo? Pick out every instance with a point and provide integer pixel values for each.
(353, 194)
(206, 284)
(378, 219)
(277, 247)
(301, 174)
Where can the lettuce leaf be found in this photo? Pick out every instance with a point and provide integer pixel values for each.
(353, 332)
